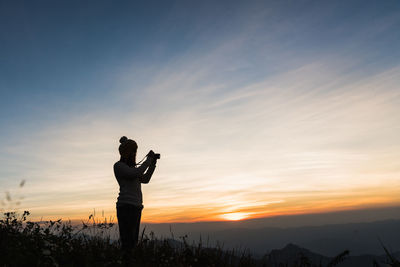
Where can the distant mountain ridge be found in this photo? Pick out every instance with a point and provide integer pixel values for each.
(329, 240)
(292, 254)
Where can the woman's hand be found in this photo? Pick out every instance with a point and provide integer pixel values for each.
(152, 156)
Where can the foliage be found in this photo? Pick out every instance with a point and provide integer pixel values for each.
(58, 243)
(338, 259)
(52, 243)
(392, 261)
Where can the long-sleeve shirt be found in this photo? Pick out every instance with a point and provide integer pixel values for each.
(130, 180)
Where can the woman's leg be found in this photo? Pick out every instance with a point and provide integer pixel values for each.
(125, 224)
(137, 214)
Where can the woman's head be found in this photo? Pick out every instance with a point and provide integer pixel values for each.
(127, 150)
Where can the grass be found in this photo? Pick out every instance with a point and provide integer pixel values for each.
(58, 243)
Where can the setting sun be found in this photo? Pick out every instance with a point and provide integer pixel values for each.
(235, 216)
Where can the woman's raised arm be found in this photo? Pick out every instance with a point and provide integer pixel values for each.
(127, 172)
(145, 179)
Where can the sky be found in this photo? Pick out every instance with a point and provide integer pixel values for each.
(258, 108)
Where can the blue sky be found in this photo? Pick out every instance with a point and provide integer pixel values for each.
(305, 86)
(70, 53)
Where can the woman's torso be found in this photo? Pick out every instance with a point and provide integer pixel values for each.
(130, 191)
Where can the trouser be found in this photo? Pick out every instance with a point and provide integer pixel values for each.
(128, 222)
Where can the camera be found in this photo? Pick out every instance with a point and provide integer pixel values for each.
(153, 155)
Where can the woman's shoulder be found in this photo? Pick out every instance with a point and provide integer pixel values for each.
(119, 167)
(120, 164)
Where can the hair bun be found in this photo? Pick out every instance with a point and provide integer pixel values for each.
(123, 139)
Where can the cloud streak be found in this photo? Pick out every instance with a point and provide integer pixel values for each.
(314, 148)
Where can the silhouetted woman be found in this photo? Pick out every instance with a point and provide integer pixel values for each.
(130, 202)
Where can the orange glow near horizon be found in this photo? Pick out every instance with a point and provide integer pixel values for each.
(294, 206)
(234, 216)
(352, 200)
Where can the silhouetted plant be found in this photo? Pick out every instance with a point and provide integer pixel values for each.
(392, 261)
(58, 243)
(338, 259)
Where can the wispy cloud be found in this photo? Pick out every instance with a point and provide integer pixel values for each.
(251, 149)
